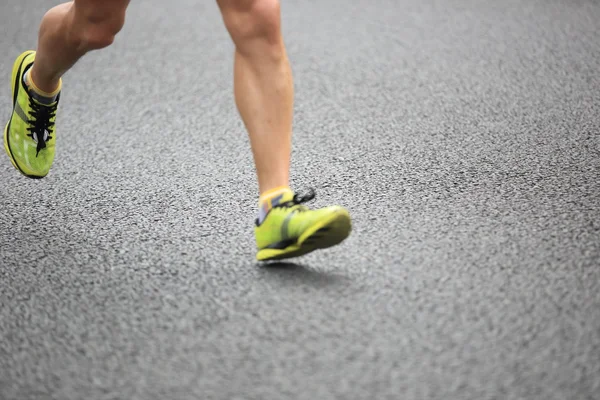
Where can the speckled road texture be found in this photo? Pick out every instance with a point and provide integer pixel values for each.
(462, 135)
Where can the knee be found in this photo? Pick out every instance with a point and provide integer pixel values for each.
(99, 22)
(248, 20)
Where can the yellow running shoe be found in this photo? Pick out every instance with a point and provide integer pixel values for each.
(29, 136)
(291, 229)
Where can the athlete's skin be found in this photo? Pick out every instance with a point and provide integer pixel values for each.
(262, 79)
(284, 228)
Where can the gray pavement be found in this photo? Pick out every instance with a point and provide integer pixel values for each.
(463, 136)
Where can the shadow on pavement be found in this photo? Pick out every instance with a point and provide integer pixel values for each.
(288, 272)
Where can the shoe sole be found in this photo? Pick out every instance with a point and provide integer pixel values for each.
(15, 81)
(324, 234)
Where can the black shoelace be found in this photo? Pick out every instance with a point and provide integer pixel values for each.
(40, 124)
(298, 200)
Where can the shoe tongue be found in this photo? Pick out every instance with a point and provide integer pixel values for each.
(42, 100)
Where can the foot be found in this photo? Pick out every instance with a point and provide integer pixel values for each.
(29, 136)
(291, 229)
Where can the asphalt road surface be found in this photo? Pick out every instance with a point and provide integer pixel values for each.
(464, 137)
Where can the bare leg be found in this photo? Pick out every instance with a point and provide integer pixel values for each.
(263, 85)
(70, 30)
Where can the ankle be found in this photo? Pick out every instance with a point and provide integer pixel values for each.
(47, 87)
(274, 191)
